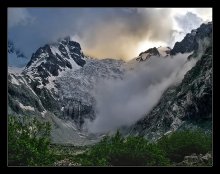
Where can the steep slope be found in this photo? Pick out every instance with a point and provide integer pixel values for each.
(45, 65)
(50, 61)
(21, 97)
(188, 104)
(191, 40)
(77, 96)
(57, 85)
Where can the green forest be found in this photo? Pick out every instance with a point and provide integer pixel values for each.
(29, 144)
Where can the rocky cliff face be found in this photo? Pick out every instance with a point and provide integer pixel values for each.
(191, 40)
(51, 60)
(59, 75)
(21, 97)
(77, 96)
(160, 51)
(188, 104)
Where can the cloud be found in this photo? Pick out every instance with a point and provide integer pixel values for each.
(18, 16)
(184, 23)
(204, 13)
(188, 21)
(123, 102)
(118, 33)
(102, 32)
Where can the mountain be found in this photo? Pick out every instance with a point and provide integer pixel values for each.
(187, 104)
(58, 85)
(191, 40)
(16, 58)
(160, 51)
(59, 75)
(51, 60)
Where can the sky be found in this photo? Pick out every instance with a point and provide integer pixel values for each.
(119, 33)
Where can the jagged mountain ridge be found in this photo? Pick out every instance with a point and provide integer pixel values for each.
(52, 60)
(191, 41)
(188, 104)
(160, 51)
(42, 90)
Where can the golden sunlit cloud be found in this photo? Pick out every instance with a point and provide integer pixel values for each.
(126, 36)
(120, 33)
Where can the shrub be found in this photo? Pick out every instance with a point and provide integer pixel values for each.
(28, 142)
(119, 151)
(183, 143)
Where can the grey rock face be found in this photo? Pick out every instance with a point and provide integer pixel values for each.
(150, 52)
(190, 41)
(66, 162)
(20, 94)
(160, 51)
(59, 75)
(187, 103)
(55, 58)
(77, 96)
(197, 160)
(45, 65)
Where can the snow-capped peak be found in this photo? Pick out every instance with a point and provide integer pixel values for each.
(160, 51)
(52, 60)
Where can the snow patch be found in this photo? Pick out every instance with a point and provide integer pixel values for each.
(26, 107)
(43, 113)
(43, 55)
(55, 51)
(42, 60)
(14, 81)
(72, 62)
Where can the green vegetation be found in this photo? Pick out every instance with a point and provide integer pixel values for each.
(183, 143)
(29, 145)
(28, 142)
(118, 151)
(67, 151)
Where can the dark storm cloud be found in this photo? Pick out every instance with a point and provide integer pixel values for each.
(118, 33)
(102, 32)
